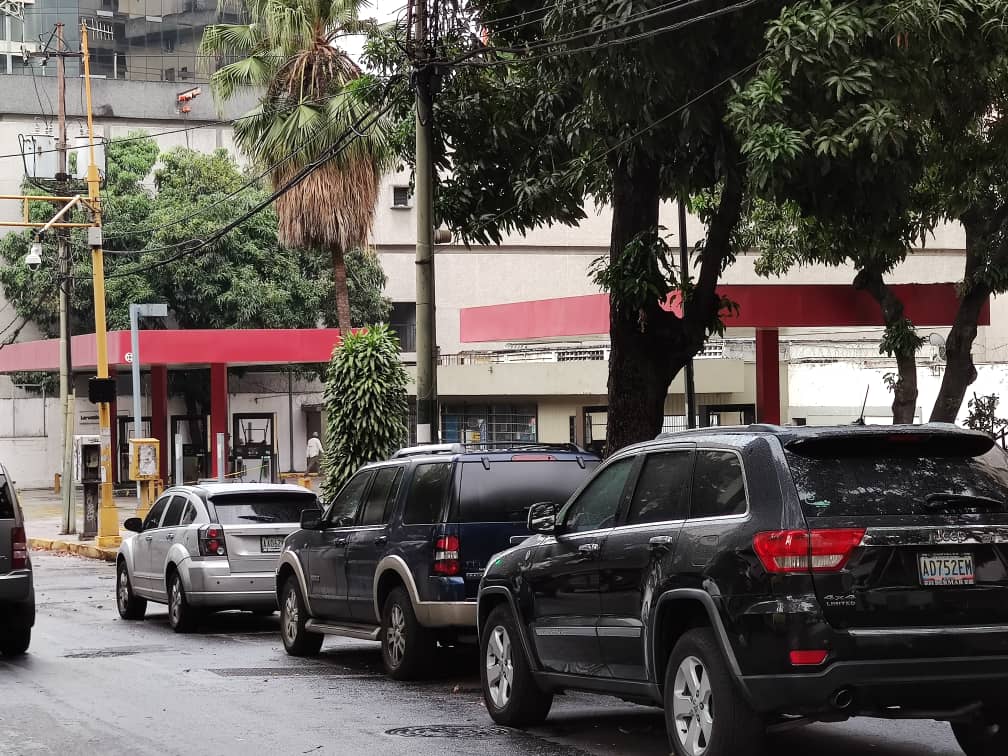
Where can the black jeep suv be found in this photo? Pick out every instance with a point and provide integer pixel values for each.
(399, 553)
(765, 576)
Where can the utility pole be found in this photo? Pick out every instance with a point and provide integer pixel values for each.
(683, 275)
(428, 424)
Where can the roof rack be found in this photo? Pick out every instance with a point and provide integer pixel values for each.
(714, 429)
(505, 446)
(414, 451)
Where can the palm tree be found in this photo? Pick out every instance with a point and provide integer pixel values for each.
(312, 93)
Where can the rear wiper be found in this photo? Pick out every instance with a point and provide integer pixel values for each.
(258, 518)
(938, 500)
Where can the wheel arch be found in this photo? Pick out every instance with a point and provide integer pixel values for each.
(494, 596)
(291, 565)
(390, 572)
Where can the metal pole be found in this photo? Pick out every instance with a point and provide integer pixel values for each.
(684, 273)
(426, 339)
(179, 475)
(290, 416)
(221, 457)
(135, 350)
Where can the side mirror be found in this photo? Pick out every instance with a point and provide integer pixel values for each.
(311, 519)
(133, 524)
(542, 518)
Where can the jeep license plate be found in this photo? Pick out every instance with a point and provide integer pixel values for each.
(272, 544)
(946, 569)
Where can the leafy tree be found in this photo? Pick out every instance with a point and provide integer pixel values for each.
(311, 101)
(867, 125)
(983, 415)
(623, 109)
(365, 401)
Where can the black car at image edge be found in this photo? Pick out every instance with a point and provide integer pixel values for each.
(760, 577)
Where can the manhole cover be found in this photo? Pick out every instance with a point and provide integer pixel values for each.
(448, 731)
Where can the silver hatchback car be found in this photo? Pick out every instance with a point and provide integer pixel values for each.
(207, 548)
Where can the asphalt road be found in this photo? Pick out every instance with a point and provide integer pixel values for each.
(95, 684)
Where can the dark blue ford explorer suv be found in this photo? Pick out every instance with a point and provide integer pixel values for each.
(399, 553)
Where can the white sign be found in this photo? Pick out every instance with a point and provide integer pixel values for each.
(128, 357)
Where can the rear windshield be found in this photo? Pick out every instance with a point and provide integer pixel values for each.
(505, 492)
(6, 505)
(271, 506)
(900, 484)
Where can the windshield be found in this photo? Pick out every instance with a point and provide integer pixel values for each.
(900, 484)
(268, 506)
(505, 492)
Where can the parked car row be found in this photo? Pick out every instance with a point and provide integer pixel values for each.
(743, 579)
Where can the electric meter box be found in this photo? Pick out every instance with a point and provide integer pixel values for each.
(144, 456)
(80, 442)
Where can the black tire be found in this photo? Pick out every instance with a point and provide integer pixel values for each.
(407, 646)
(130, 606)
(14, 641)
(181, 616)
(514, 702)
(293, 616)
(983, 737)
(704, 710)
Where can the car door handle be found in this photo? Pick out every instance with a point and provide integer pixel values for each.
(588, 548)
(341, 541)
(661, 542)
(170, 536)
(381, 540)
(148, 538)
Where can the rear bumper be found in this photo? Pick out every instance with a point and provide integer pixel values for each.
(17, 599)
(212, 585)
(447, 613)
(917, 685)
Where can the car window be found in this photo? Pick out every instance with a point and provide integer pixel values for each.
(503, 490)
(188, 514)
(426, 493)
(663, 488)
(271, 506)
(596, 506)
(154, 516)
(348, 501)
(174, 514)
(377, 508)
(718, 485)
(6, 502)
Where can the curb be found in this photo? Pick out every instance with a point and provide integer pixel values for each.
(70, 547)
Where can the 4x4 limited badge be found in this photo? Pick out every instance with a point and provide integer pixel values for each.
(835, 601)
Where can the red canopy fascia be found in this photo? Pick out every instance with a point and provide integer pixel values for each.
(760, 306)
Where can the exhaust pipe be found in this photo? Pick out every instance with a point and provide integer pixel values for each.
(842, 699)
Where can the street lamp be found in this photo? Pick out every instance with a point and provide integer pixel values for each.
(136, 312)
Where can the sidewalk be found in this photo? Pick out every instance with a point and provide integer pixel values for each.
(43, 512)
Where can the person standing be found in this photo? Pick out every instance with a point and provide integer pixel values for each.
(314, 453)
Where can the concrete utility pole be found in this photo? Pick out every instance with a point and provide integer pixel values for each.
(428, 425)
(683, 273)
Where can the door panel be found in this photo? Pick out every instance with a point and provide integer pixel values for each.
(163, 538)
(143, 544)
(369, 543)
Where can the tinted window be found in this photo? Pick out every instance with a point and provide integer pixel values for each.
(718, 486)
(174, 514)
(378, 506)
(505, 492)
(189, 515)
(154, 516)
(596, 507)
(900, 484)
(6, 503)
(348, 501)
(267, 506)
(663, 488)
(427, 493)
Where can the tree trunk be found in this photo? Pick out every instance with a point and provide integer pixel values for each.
(960, 371)
(650, 346)
(340, 290)
(904, 405)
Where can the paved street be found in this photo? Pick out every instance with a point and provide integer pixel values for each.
(95, 684)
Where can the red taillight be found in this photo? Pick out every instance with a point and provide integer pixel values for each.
(446, 556)
(19, 549)
(804, 550)
(211, 541)
(809, 658)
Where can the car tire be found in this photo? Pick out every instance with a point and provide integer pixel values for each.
(704, 711)
(296, 639)
(407, 646)
(981, 739)
(510, 692)
(181, 615)
(15, 641)
(130, 606)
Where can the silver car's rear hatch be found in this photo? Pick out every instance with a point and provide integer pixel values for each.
(256, 523)
(7, 523)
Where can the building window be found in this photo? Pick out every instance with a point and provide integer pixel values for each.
(401, 197)
(403, 321)
(489, 423)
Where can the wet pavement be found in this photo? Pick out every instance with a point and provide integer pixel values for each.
(95, 684)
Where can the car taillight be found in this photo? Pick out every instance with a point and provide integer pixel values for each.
(446, 556)
(211, 541)
(808, 658)
(804, 550)
(19, 549)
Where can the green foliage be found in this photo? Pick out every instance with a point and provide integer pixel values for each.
(983, 415)
(365, 403)
(641, 275)
(36, 382)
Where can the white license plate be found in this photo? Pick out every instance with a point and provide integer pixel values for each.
(272, 544)
(946, 569)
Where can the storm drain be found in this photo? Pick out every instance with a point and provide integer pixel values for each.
(287, 672)
(460, 732)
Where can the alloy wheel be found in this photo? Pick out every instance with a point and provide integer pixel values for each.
(500, 667)
(290, 616)
(396, 635)
(692, 706)
(124, 590)
(175, 602)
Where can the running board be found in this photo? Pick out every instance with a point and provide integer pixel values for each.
(363, 632)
